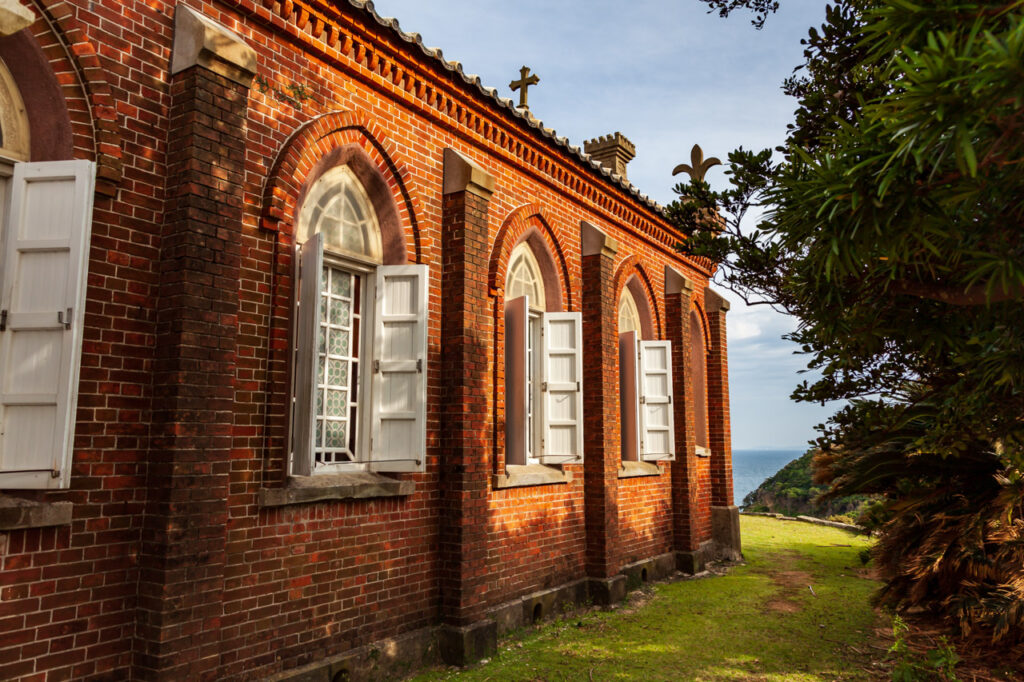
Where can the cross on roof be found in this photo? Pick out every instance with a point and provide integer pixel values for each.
(525, 81)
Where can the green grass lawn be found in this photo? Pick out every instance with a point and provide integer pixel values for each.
(798, 610)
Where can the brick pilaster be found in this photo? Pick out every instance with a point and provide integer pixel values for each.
(720, 438)
(467, 333)
(685, 475)
(183, 545)
(601, 429)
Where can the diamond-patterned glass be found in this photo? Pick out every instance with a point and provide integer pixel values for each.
(337, 365)
(338, 344)
(338, 312)
(336, 372)
(335, 404)
(336, 436)
(338, 282)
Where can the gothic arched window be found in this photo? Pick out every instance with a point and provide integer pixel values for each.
(359, 389)
(645, 385)
(543, 369)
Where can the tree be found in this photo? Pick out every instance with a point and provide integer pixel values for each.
(895, 234)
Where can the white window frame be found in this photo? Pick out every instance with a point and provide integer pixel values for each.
(638, 379)
(362, 424)
(539, 386)
(376, 422)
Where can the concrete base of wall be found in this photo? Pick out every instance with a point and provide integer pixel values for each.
(537, 606)
(606, 591)
(395, 657)
(386, 659)
(462, 645)
(655, 568)
(725, 533)
(692, 562)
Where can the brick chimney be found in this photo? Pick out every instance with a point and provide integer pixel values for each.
(611, 151)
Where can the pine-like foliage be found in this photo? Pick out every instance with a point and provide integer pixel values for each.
(894, 231)
(950, 527)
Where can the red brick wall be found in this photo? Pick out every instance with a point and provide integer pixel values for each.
(537, 538)
(645, 517)
(297, 583)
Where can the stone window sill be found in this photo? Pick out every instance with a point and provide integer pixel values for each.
(355, 485)
(637, 469)
(521, 476)
(703, 452)
(17, 513)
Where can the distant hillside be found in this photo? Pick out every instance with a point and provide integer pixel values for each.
(792, 491)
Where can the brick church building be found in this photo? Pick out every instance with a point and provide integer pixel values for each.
(319, 359)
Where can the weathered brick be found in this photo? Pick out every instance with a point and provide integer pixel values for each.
(169, 569)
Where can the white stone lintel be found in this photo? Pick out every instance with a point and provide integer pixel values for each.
(14, 17)
(676, 282)
(199, 40)
(595, 241)
(463, 174)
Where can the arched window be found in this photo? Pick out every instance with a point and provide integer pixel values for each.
(543, 370)
(645, 387)
(524, 278)
(337, 207)
(14, 129)
(359, 391)
(699, 383)
(629, 315)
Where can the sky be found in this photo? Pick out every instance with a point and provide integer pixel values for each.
(667, 75)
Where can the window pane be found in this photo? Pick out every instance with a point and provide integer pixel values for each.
(337, 369)
(337, 207)
(629, 315)
(523, 278)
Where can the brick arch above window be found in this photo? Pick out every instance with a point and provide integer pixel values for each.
(342, 138)
(631, 275)
(89, 98)
(529, 223)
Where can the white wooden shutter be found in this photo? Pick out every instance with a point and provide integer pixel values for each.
(400, 369)
(42, 306)
(562, 388)
(657, 430)
(310, 258)
(629, 397)
(517, 327)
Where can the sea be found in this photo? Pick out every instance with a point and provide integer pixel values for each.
(751, 467)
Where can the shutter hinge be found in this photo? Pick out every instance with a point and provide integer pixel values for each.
(670, 400)
(66, 321)
(643, 400)
(544, 387)
(577, 387)
(3, 320)
(376, 366)
(419, 365)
